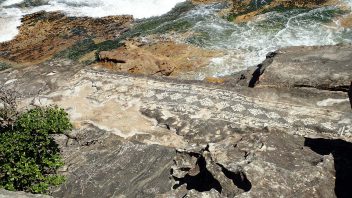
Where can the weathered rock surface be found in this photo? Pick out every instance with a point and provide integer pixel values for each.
(141, 136)
(346, 21)
(327, 67)
(102, 164)
(187, 108)
(247, 165)
(228, 141)
(157, 58)
(9, 194)
(44, 34)
(323, 67)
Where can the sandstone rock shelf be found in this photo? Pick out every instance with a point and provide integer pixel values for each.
(281, 128)
(216, 140)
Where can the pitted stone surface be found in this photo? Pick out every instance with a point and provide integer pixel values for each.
(199, 112)
(138, 126)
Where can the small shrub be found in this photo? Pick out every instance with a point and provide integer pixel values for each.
(29, 156)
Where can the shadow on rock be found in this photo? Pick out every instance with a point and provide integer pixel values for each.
(239, 179)
(342, 152)
(350, 94)
(261, 68)
(203, 181)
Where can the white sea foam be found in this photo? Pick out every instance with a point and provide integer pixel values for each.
(10, 17)
(9, 21)
(11, 2)
(100, 8)
(247, 44)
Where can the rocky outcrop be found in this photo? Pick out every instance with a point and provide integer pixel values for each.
(346, 21)
(156, 137)
(319, 67)
(44, 34)
(102, 164)
(86, 39)
(165, 58)
(152, 136)
(324, 67)
(247, 165)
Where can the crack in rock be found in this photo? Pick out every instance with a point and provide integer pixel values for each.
(198, 171)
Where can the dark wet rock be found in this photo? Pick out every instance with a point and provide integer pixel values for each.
(31, 3)
(342, 153)
(350, 94)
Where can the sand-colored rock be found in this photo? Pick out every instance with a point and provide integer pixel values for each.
(43, 34)
(160, 58)
(346, 21)
(216, 80)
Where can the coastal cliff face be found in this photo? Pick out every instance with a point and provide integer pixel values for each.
(280, 128)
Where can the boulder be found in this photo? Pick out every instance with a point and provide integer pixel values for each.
(164, 58)
(321, 67)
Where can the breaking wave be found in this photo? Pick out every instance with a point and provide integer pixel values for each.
(247, 44)
(11, 11)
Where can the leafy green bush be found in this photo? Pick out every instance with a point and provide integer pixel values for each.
(29, 156)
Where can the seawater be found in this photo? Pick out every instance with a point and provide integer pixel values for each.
(247, 44)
